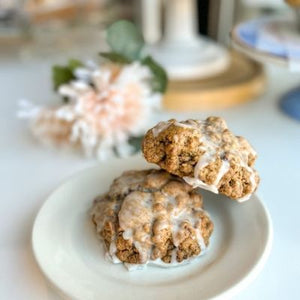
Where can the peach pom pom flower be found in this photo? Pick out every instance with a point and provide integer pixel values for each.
(106, 107)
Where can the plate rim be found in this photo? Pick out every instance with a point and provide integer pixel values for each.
(251, 51)
(226, 294)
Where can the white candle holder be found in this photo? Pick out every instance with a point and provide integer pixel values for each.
(182, 51)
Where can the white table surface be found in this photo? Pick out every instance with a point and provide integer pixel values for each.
(29, 172)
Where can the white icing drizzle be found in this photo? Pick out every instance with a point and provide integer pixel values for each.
(159, 263)
(191, 124)
(253, 184)
(225, 166)
(197, 183)
(245, 198)
(179, 219)
(204, 160)
(111, 253)
(136, 211)
(135, 267)
(160, 127)
(211, 146)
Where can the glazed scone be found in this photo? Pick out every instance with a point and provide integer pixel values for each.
(205, 154)
(151, 217)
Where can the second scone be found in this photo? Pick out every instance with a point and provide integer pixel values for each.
(205, 154)
(151, 217)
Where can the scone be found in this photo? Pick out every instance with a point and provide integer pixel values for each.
(151, 217)
(205, 154)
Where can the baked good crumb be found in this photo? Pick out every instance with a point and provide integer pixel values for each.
(151, 216)
(205, 154)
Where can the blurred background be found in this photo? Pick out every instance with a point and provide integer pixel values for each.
(29, 27)
(233, 58)
(44, 32)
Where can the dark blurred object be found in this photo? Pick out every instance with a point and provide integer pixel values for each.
(290, 103)
(221, 18)
(13, 21)
(203, 12)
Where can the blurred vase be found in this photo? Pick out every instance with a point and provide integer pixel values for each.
(13, 20)
(182, 50)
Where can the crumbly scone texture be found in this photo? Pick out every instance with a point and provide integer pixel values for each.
(206, 152)
(151, 215)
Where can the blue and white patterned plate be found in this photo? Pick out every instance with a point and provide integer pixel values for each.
(273, 38)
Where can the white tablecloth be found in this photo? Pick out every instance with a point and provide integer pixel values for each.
(29, 172)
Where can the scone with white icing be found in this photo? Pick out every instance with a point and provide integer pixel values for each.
(205, 154)
(151, 217)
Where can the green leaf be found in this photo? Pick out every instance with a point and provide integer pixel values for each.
(160, 77)
(115, 57)
(64, 74)
(66, 100)
(124, 38)
(136, 142)
(74, 64)
(61, 75)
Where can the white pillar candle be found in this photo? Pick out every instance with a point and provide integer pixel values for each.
(151, 20)
(181, 20)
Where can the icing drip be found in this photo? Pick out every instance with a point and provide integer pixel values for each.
(141, 220)
(215, 145)
(136, 212)
(197, 183)
(111, 253)
(190, 124)
(159, 263)
(225, 166)
(160, 127)
(253, 184)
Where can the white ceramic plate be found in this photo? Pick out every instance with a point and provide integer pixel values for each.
(72, 258)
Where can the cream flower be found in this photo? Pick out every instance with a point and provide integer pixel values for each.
(107, 106)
